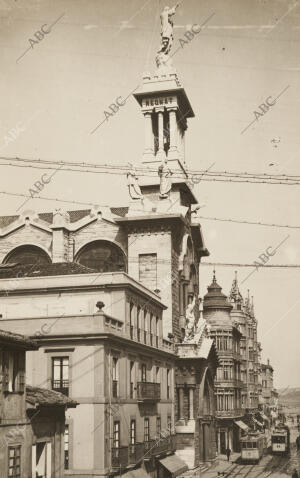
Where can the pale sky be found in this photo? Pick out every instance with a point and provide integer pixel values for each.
(56, 94)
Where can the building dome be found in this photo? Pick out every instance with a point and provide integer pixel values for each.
(215, 299)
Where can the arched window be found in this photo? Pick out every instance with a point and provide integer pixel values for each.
(102, 256)
(27, 254)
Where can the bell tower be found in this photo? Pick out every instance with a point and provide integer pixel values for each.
(165, 107)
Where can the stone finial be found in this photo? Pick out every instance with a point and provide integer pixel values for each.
(100, 305)
(61, 217)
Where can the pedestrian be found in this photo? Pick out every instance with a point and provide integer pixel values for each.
(298, 442)
(228, 451)
(295, 474)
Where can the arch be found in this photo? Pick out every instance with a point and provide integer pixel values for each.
(27, 254)
(102, 255)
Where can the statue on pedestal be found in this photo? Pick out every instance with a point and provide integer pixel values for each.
(190, 321)
(133, 185)
(165, 174)
(163, 59)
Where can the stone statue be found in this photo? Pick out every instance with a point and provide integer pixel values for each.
(163, 59)
(165, 174)
(190, 320)
(133, 185)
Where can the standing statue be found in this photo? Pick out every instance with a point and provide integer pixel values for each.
(165, 174)
(133, 185)
(163, 58)
(190, 320)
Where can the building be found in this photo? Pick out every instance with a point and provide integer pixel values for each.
(243, 315)
(228, 383)
(269, 396)
(32, 420)
(111, 295)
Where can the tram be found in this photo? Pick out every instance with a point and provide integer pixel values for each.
(253, 446)
(280, 440)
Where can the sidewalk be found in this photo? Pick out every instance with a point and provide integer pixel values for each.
(213, 470)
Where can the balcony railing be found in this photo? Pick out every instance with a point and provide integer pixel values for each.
(148, 391)
(61, 386)
(129, 455)
(236, 412)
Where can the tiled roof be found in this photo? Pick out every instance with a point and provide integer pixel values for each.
(74, 215)
(39, 270)
(7, 220)
(119, 211)
(46, 397)
(17, 339)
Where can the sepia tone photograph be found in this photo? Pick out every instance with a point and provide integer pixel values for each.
(149, 239)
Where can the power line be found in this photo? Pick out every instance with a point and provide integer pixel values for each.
(218, 176)
(237, 264)
(289, 226)
(93, 204)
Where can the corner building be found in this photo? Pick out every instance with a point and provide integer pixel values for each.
(228, 385)
(106, 292)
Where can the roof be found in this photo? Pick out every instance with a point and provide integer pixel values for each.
(37, 270)
(17, 339)
(47, 398)
(174, 465)
(138, 473)
(215, 299)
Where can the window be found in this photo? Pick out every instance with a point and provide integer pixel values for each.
(60, 374)
(131, 320)
(27, 255)
(148, 270)
(132, 379)
(157, 375)
(151, 329)
(115, 375)
(157, 330)
(13, 371)
(158, 426)
(66, 446)
(168, 383)
(132, 432)
(144, 373)
(14, 461)
(146, 429)
(102, 256)
(169, 423)
(138, 324)
(116, 435)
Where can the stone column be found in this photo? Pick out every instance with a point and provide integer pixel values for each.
(160, 152)
(173, 151)
(191, 403)
(181, 403)
(149, 146)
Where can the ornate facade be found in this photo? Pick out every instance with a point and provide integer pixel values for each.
(111, 295)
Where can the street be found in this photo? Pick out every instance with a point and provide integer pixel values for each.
(269, 465)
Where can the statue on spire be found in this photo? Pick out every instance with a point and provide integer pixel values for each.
(163, 59)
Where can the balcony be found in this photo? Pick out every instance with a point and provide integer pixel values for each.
(148, 391)
(236, 412)
(132, 454)
(61, 386)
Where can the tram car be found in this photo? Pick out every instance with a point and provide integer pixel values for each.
(280, 440)
(252, 447)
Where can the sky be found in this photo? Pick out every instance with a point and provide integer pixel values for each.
(54, 96)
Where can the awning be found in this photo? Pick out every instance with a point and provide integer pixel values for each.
(174, 465)
(257, 422)
(139, 473)
(242, 425)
